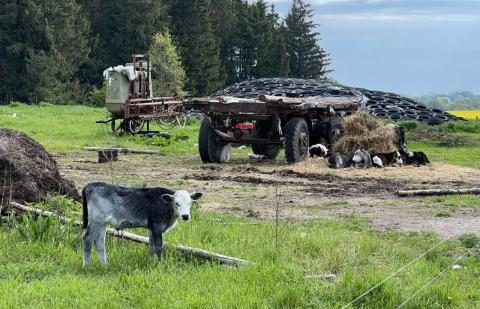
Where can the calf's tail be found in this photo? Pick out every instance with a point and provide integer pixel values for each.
(85, 208)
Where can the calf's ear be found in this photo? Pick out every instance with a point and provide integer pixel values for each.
(167, 198)
(196, 196)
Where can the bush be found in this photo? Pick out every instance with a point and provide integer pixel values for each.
(409, 125)
(33, 228)
(97, 96)
(462, 126)
(469, 240)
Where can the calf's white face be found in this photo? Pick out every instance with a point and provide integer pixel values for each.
(182, 202)
(357, 156)
(398, 158)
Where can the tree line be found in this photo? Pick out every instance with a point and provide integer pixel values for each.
(56, 50)
(458, 100)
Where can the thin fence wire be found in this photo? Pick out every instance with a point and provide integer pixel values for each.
(408, 264)
(438, 276)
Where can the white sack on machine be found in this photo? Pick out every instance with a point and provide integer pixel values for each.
(128, 71)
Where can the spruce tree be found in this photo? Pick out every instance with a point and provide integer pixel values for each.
(307, 58)
(122, 28)
(43, 44)
(271, 52)
(167, 72)
(225, 23)
(193, 30)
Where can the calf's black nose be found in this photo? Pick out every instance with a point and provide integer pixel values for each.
(185, 217)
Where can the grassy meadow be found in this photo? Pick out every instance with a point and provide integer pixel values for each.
(287, 272)
(41, 267)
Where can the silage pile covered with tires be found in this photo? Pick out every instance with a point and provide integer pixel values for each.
(378, 103)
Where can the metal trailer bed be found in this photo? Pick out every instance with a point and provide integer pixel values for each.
(279, 122)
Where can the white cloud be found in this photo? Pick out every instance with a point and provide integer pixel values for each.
(400, 17)
(327, 2)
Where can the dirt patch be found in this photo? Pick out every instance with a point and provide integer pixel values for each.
(27, 171)
(309, 190)
(241, 179)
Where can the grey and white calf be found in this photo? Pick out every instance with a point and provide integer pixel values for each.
(338, 160)
(156, 209)
(362, 159)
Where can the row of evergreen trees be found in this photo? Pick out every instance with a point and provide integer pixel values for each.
(56, 50)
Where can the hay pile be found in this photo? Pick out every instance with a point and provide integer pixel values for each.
(362, 130)
(28, 172)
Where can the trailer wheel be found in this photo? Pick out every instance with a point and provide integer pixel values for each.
(261, 130)
(211, 150)
(203, 137)
(135, 125)
(296, 140)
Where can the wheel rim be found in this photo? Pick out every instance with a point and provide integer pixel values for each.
(181, 120)
(167, 123)
(135, 125)
(303, 143)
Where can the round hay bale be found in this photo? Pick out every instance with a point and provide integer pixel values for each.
(28, 173)
(362, 130)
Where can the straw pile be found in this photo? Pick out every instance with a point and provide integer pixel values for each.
(362, 130)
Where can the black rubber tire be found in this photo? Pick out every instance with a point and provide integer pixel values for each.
(212, 151)
(296, 140)
(435, 121)
(203, 138)
(261, 130)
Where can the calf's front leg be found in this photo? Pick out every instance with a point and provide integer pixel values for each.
(156, 240)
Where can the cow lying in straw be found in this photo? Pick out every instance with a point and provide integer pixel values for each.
(318, 150)
(154, 208)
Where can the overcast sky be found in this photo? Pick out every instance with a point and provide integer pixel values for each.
(412, 47)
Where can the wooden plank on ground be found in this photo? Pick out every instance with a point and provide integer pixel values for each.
(122, 150)
(197, 252)
(429, 192)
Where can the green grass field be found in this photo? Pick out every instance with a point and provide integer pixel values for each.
(287, 272)
(290, 257)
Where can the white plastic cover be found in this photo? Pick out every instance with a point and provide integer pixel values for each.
(128, 71)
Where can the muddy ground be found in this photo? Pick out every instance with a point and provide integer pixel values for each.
(305, 191)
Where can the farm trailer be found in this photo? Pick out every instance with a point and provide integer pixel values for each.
(130, 99)
(279, 122)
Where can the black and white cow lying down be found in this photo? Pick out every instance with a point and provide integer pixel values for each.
(414, 158)
(154, 208)
(363, 159)
(387, 159)
(318, 150)
(338, 160)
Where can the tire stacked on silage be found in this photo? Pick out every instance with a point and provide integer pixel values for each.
(381, 104)
(396, 107)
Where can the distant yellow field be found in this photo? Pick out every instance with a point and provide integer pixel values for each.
(467, 114)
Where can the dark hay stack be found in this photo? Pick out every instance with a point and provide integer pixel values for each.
(362, 130)
(28, 172)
